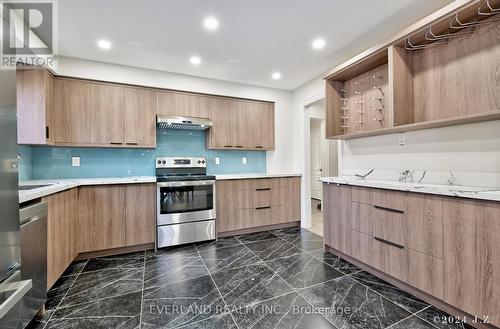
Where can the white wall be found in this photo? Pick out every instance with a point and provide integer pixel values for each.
(471, 151)
(278, 161)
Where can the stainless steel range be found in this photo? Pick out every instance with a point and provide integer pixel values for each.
(185, 201)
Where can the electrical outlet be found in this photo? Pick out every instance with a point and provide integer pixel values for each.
(217, 160)
(402, 140)
(75, 161)
(244, 160)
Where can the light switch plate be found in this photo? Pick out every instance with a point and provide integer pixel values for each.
(244, 160)
(217, 160)
(402, 140)
(75, 161)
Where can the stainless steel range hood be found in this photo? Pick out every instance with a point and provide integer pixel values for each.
(182, 123)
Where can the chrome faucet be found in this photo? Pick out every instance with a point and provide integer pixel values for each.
(452, 180)
(365, 175)
(406, 176)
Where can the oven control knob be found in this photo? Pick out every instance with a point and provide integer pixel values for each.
(159, 161)
(203, 161)
(199, 161)
(164, 162)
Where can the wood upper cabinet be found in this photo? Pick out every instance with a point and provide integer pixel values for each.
(62, 222)
(139, 117)
(73, 114)
(472, 257)
(102, 211)
(241, 124)
(174, 103)
(140, 214)
(35, 106)
(106, 112)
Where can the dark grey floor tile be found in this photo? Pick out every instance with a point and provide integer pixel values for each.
(223, 321)
(40, 322)
(163, 270)
(274, 248)
(183, 250)
(259, 236)
(225, 242)
(287, 311)
(396, 295)
(58, 290)
(75, 268)
(353, 305)
(303, 270)
(126, 261)
(249, 284)
(307, 245)
(103, 284)
(95, 323)
(122, 305)
(297, 233)
(222, 259)
(442, 319)
(181, 303)
(413, 323)
(335, 262)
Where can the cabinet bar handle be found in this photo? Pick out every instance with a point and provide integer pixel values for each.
(259, 147)
(389, 243)
(115, 143)
(260, 208)
(390, 209)
(263, 189)
(47, 131)
(132, 143)
(228, 145)
(239, 146)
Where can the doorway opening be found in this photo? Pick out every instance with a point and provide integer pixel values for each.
(322, 156)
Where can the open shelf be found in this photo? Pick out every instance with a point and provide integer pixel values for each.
(441, 74)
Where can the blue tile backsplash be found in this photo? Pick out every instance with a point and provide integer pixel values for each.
(55, 162)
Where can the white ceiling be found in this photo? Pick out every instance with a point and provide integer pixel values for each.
(254, 39)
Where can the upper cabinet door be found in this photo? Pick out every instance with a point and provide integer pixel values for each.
(72, 115)
(244, 124)
(139, 111)
(220, 135)
(263, 129)
(35, 90)
(106, 104)
(170, 103)
(175, 103)
(197, 106)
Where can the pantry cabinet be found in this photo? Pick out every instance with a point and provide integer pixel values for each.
(257, 204)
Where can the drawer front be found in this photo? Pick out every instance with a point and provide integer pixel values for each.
(172, 235)
(425, 273)
(264, 183)
(361, 247)
(268, 216)
(267, 197)
(389, 225)
(362, 217)
(389, 259)
(388, 199)
(245, 199)
(361, 194)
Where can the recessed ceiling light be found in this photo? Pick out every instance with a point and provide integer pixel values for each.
(104, 44)
(211, 23)
(318, 43)
(276, 76)
(195, 60)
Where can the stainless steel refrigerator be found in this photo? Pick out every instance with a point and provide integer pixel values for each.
(12, 288)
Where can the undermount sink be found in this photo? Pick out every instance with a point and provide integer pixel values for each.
(32, 187)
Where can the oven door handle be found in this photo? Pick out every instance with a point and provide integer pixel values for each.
(186, 183)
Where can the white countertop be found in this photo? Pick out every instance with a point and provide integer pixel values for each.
(253, 176)
(58, 185)
(480, 193)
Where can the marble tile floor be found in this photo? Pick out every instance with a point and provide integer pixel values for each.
(275, 279)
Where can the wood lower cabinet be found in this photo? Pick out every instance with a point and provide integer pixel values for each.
(102, 212)
(472, 257)
(252, 203)
(140, 214)
(62, 221)
(337, 217)
(448, 248)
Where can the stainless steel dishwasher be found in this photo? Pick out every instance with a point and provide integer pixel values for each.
(33, 219)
